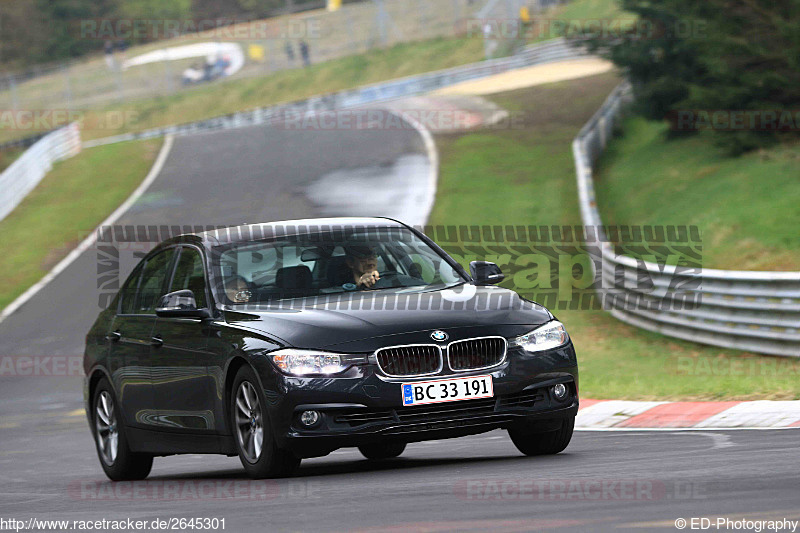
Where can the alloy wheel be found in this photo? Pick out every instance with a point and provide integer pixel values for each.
(107, 428)
(249, 422)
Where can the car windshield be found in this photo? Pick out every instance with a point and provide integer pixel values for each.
(329, 263)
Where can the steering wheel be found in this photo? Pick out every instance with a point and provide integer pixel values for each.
(386, 280)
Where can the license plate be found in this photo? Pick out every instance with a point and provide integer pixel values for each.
(447, 390)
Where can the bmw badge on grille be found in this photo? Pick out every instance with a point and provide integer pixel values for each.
(439, 335)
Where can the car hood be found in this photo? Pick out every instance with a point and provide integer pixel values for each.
(364, 321)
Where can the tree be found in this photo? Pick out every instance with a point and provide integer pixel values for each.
(62, 37)
(711, 55)
(22, 32)
(159, 16)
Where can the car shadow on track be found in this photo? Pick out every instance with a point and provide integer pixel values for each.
(321, 469)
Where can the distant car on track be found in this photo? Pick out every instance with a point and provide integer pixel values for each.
(282, 341)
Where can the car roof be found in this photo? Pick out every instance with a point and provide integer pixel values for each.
(283, 228)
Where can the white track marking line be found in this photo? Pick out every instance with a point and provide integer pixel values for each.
(89, 241)
(678, 430)
(433, 162)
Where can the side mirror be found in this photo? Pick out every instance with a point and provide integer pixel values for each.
(180, 304)
(485, 273)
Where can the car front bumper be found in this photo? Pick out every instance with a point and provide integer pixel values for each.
(363, 407)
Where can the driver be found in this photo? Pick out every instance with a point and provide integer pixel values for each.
(363, 262)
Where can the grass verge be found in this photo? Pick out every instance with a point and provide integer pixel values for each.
(746, 207)
(74, 197)
(525, 176)
(592, 10)
(9, 156)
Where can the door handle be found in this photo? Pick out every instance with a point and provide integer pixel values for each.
(114, 336)
(156, 341)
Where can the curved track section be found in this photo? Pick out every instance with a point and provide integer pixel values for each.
(604, 481)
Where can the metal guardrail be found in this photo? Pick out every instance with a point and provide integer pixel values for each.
(752, 311)
(28, 170)
(547, 52)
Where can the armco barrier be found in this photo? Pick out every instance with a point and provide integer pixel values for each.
(547, 52)
(753, 311)
(28, 170)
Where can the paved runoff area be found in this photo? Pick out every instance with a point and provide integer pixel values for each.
(530, 76)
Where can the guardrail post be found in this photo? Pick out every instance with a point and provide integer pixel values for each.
(120, 87)
(601, 128)
(456, 16)
(349, 30)
(67, 86)
(381, 22)
(422, 9)
(167, 77)
(12, 88)
(271, 52)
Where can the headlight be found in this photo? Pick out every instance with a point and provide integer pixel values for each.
(303, 362)
(551, 335)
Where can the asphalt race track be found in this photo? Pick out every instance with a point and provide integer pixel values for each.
(605, 480)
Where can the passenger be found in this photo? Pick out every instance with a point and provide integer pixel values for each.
(237, 289)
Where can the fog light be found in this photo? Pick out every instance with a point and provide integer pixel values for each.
(560, 391)
(309, 418)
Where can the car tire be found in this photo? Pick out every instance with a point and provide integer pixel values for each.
(382, 450)
(531, 441)
(110, 438)
(264, 460)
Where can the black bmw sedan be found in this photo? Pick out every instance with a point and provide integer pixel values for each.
(277, 342)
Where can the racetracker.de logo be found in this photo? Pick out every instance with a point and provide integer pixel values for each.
(187, 490)
(555, 490)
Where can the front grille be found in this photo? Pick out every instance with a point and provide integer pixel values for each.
(474, 354)
(463, 410)
(411, 360)
(443, 411)
(363, 416)
(419, 413)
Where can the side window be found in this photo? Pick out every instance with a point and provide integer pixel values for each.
(151, 285)
(127, 295)
(422, 267)
(189, 274)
